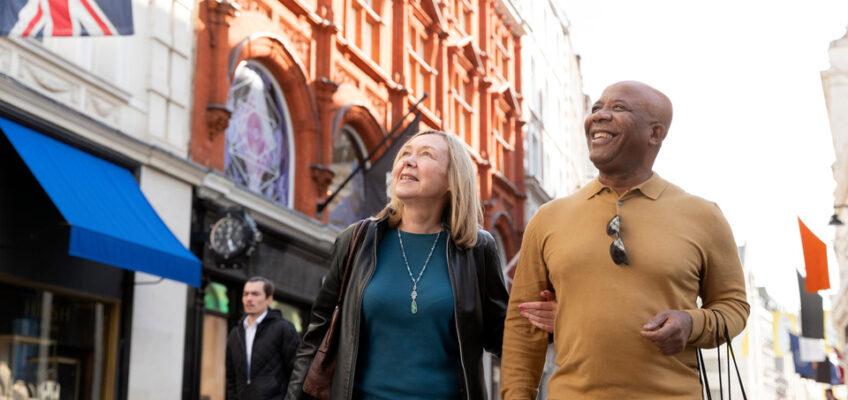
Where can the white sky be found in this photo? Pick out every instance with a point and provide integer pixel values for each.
(750, 128)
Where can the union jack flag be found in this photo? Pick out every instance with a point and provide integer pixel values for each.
(65, 17)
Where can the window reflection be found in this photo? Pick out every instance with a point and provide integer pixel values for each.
(348, 152)
(54, 346)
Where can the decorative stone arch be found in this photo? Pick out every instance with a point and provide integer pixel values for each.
(502, 223)
(362, 120)
(348, 202)
(355, 125)
(502, 227)
(279, 58)
(274, 52)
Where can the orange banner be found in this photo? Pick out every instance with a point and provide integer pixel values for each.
(815, 260)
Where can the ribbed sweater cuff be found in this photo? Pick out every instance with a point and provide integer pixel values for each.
(698, 324)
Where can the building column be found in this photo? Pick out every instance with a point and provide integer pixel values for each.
(159, 306)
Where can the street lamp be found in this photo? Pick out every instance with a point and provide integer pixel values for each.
(834, 219)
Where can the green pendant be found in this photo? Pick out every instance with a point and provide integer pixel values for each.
(414, 307)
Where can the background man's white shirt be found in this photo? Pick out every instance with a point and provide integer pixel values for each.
(249, 334)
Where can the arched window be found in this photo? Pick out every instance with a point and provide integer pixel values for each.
(348, 152)
(502, 255)
(259, 149)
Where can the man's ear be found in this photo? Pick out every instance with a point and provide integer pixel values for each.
(658, 133)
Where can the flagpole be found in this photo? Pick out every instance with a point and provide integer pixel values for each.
(413, 108)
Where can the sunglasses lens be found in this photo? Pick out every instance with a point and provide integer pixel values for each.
(617, 252)
(613, 226)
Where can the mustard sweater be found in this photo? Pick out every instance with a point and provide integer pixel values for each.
(679, 247)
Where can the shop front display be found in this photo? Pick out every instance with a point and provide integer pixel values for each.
(56, 346)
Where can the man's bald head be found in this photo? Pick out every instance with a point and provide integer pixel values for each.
(657, 104)
(626, 128)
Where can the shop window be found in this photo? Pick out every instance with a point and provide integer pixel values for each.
(54, 346)
(259, 154)
(348, 152)
(216, 298)
(290, 313)
(363, 26)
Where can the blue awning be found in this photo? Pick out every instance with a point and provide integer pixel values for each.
(111, 220)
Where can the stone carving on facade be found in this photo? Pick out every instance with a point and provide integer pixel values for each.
(217, 119)
(322, 176)
(255, 6)
(298, 40)
(377, 106)
(104, 109)
(60, 88)
(342, 76)
(5, 59)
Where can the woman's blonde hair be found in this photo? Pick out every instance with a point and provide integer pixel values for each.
(462, 213)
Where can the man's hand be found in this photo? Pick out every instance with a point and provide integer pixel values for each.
(541, 313)
(669, 331)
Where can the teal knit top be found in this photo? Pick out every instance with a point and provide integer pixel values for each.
(406, 356)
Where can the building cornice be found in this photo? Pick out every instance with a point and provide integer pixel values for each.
(535, 189)
(502, 180)
(512, 18)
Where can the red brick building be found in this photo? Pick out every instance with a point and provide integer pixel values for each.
(291, 95)
(347, 71)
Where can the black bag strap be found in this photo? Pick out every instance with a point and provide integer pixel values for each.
(355, 242)
(730, 355)
(733, 356)
(328, 343)
(718, 356)
(702, 374)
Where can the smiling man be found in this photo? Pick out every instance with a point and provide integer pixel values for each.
(627, 255)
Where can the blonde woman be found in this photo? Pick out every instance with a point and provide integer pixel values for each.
(425, 295)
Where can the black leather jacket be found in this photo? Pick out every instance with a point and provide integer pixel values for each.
(480, 300)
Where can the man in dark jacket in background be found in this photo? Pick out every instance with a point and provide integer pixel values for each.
(261, 348)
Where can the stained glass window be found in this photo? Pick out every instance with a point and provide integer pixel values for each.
(258, 149)
(349, 205)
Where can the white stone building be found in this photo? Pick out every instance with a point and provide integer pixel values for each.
(125, 100)
(556, 159)
(835, 85)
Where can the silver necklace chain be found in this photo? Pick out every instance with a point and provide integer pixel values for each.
(414, 306)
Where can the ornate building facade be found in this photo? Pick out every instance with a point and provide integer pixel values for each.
(290, 99)
(338, 75)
